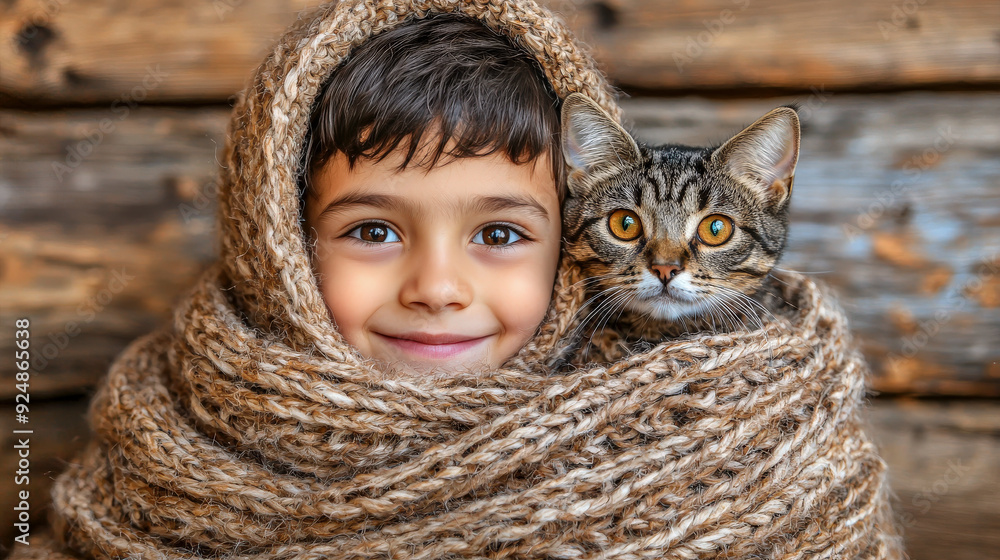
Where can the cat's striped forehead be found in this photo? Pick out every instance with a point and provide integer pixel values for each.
(668, 186)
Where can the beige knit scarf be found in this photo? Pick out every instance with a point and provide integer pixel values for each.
(248, 428)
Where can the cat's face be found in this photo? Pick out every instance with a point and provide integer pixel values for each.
(675, 231)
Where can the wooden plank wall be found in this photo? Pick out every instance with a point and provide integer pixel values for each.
(90, 51)
(112, 116)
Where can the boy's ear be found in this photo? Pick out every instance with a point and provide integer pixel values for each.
(592, 140)
(763, 156)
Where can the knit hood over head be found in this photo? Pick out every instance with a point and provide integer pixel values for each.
(247, 428)
(259, 202)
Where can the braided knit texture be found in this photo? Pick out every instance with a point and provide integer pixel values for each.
(247, 428)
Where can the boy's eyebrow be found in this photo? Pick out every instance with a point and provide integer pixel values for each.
(393, 203)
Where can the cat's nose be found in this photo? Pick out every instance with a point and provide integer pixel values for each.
(666, 272)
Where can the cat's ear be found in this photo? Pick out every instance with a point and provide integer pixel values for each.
(592, 140)
(763, 156)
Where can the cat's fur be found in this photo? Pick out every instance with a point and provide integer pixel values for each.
(668, 271)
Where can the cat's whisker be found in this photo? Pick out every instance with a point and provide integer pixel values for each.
(579, 330)
(783, 300)
(646, 318)
(745, 304)
(585, 307)
(773, 277)
(624, 299)
(711, 315)
(608, 304)
(726, 295)
(610, 289)
(734, 318)
(689, 325)
(616, 291)
(742, 296)
(749, 300)
(700, 312)
(611, 309)
(709, 302)
(722, 320)
(601, 293)
(575, 333)
(613, 290)
(752, 317)
(801, 271)
(742, 301)
(684, 320)
(626, 304)
(593, 279)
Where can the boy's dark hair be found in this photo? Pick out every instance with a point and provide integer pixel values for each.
(447, 76)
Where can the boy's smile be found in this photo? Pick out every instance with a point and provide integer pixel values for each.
(436, 270)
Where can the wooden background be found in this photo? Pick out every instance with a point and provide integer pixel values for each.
(112, 116)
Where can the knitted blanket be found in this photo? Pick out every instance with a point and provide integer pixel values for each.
(248, 428)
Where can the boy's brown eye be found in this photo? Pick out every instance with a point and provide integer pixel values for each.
(373, 233)
(496, 235)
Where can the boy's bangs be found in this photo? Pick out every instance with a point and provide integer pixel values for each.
(436, 135)
(439, 88)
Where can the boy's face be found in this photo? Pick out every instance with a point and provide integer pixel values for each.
(466, 251)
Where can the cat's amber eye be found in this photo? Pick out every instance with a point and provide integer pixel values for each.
(715, 230)
(625, 225)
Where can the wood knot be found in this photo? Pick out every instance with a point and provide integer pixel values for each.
(33, 38)
(605, 16)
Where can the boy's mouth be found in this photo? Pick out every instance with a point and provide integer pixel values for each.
(426, 338)
(438, 346)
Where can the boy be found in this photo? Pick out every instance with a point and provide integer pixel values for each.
(433, 193)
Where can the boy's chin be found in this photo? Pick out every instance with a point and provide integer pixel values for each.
(423, 372)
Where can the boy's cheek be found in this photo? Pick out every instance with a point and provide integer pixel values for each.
(348, 291)
(523, 295)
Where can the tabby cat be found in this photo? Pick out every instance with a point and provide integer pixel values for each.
(673, 232)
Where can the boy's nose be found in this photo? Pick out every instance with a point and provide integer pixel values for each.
(437, 279)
